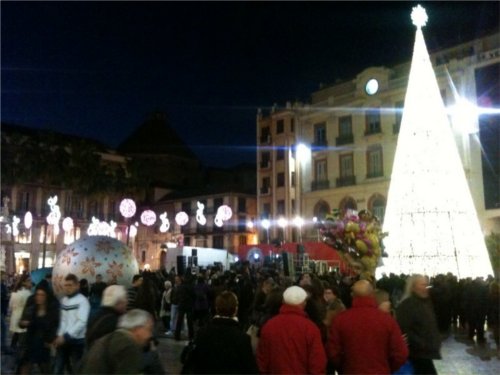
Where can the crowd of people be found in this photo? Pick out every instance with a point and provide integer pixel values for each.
(245, 321)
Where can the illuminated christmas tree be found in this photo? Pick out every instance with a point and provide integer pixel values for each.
(430, 218)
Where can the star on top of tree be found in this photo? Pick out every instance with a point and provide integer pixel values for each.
(419, 16)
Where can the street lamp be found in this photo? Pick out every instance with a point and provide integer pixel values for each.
(299, 222)
(315, 221)
(282, 223)
(266, 224)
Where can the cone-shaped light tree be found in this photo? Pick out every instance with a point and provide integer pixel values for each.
(430, 217)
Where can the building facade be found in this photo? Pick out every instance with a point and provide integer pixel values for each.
(338, 150)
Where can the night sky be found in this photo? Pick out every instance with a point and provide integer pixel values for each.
(99, 69)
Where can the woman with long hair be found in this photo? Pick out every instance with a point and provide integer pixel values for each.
(41, 318)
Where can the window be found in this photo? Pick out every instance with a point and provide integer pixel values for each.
(348, 203)
(94, 209)
(399, 115)
(242, 204)
(25, 201)
(68, 203)
(187, 241)
(320, 170)
(378, 206)
(345, 126)
(112, 210)
(242, 240)
(280, 207)
(266, 185)
(292, 206)
(292, 125)
(218, 242)
(186, 207)
(346, 165)
(280, 126)
(321, 209)
(292, 179)
(320, 134)
(218, 202)
(265, 135)
(374, 161)
(265, 159)
(372, 121)
(281, 179)
(266, 210)
(280, 154)
(242, 223)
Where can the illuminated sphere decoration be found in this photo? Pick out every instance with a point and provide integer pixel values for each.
(67, 224)
(95, 255)
(148, 217)
(224, 212)
(181, 218)
(127, 208)
(28, 220)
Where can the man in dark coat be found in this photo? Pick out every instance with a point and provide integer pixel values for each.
(221, 347)
(120, 352)
(416, 317)
(186, 297)
(113, 305)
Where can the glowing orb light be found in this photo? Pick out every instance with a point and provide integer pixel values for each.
(28, 220)
(67, 224)
(181, 218)
(133, 231)
(127, 208)
(148, 217)
(224, 212)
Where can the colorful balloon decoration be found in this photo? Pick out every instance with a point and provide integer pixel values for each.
(357, 237)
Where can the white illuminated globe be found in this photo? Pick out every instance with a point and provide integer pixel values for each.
(28, 220)
(181, 218)
(67, 224)
(224, 212)
(298, 221)
(127, 208)
(148, 217)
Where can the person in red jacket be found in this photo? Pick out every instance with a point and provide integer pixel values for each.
(364, 339)
(290, 343)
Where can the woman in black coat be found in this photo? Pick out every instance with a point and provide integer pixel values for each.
(222, 347)
(41, 318)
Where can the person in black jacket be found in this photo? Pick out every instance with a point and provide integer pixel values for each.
(41, 318)
(222, 347)
(416, 317)
(105, 320)
(186, 295)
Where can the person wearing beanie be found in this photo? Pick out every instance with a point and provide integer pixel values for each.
(364, 331)
(113, 305)
(290, 343)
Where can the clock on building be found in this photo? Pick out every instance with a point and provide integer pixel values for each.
(371, 86)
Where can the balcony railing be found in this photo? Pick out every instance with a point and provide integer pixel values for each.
(265, 190)
(374, 129)
(346, 181)
(319, 143)
(265, 139)
(374, 174)
(265, 164)
(320, 185)
(344, 139)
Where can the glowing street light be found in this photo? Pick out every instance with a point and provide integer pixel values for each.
(299, 222)
(265, 223)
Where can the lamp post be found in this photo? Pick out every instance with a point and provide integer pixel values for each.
(265, 223)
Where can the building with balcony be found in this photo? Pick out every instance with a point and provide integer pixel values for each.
(351, 130)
